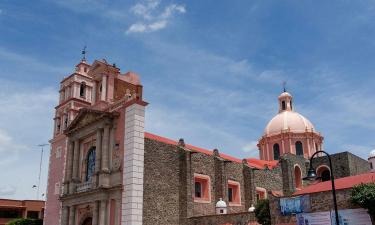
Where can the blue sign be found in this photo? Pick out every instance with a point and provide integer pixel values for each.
(295, 205)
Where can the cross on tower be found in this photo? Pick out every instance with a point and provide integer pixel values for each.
(84, 53)
(284, 86)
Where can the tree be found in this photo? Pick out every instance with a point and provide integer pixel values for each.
(26, 222)
(364, 196)
(262, 212)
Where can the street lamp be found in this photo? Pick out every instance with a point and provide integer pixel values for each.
(311, 175)
(40, 169)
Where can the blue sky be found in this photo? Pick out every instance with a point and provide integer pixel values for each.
(211, 70)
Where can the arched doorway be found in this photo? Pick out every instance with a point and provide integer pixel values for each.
(87, 221)
(324, 173)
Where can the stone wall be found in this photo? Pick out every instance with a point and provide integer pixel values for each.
(244, 218)
(344, 164)
(288, 162)
(161, 184)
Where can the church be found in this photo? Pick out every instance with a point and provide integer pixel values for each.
(105, 169)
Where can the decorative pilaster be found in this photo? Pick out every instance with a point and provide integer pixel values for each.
(95, 213)
(72, 215)
(103, 213)
(76, 160)
(132, 194)
(105, 167)
(104, 88)
(93, 98)
(69, 163)
(65, 214)
(98, 153)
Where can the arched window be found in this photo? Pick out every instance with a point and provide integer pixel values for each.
(90, 164)
(298, 177)
(299, 148)
(276, 151)
(324, 173)
(283, 105)
(291, 106)
(82, 89)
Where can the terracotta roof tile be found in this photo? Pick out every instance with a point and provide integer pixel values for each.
(341, 183)
(252, 162)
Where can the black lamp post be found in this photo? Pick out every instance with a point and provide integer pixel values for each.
(311, 175)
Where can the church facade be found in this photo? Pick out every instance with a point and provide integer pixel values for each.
(105, 169)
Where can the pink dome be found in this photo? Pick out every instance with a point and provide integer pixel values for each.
(288, 121)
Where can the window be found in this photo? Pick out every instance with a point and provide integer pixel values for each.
(276, 151)
(297, 177)
(58, 153)
(90, 164)
(10, 213)
(57, 188)
(316, 147)
(291, 106)
(82, 90)
(66, 122)
(371, 167)
(85, 69)
(261, 193)
(202, 188)
(33, 214)
(234, 194)
(283, 105)
(299, 148)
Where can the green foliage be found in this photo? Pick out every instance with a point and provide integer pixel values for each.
(26, 222)
(364, 196)
(262, 212)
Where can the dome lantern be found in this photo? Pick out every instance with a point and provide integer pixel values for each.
(221, 207)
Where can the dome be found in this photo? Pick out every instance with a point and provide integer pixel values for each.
(285, 94)
(372, 154)
(221, 204)
(288, 121)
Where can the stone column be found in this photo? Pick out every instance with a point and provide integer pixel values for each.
(111, 146)
(76, 160)
(93, 94)
(64, 216)
(132, 194)
(105, 149)
(117, 211)
(95, 213)
(103, 213)
(98, 153)
(68, 170)
(104, 88)
(72, 215)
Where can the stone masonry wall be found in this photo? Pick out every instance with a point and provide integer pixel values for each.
(161, 184)
(244, 218)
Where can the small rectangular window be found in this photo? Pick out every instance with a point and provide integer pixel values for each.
(371, 166)
(234, 193)
(230, 194)
(202, 188)
(198, 189)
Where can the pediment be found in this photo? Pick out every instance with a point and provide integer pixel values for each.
(86, 117)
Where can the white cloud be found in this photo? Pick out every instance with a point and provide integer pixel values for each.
(9, 149)
(151, 18)
(251, 147)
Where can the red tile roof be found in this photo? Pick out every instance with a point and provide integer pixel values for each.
(252, 162)
(341, 183)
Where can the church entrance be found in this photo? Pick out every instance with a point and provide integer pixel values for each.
(88, 221)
